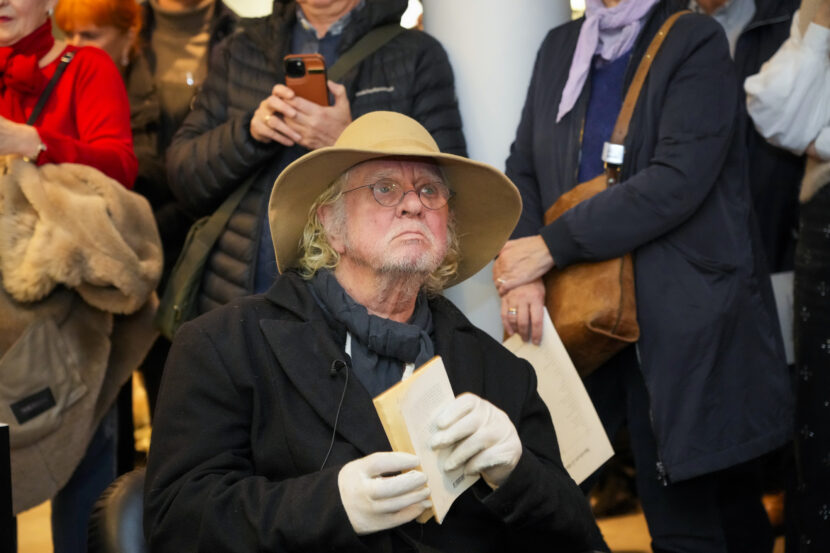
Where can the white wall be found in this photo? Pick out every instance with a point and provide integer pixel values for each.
(250, 8)
(492, 49)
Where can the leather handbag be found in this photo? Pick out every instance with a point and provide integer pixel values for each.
(593, 305)
(179, 301)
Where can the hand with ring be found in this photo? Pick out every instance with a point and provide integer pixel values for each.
(522, 309)
(268, 123)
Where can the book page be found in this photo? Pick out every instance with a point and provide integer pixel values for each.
(428, 394)
(583, 444)
(406, 411)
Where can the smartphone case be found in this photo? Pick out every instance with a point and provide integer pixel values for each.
(311, 86)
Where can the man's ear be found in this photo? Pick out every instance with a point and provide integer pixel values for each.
(327, 216)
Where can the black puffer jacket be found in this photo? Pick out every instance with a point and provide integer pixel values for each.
(214, 151)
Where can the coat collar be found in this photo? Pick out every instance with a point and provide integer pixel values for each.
(768, 12)
(308, 348)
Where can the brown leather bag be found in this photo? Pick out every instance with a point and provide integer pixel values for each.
(593, 305)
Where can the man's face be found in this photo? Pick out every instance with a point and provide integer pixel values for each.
(406, 238)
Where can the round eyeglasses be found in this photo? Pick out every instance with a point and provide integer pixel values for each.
(388, 193)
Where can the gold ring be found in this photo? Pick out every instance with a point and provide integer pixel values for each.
(500, 280)
(512, 311)
(267, 118)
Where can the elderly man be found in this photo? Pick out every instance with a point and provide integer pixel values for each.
(266, 438)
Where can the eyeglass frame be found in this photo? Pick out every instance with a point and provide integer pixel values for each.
(451, 193)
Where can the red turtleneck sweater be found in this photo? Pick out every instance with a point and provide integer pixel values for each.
(87, 117)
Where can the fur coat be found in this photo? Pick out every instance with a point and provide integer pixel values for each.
(80, 257)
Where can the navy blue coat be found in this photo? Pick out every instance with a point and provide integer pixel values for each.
(710, 347)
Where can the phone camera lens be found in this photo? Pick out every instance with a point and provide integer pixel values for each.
(295, 68)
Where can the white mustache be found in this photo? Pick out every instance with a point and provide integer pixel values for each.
(410, 227)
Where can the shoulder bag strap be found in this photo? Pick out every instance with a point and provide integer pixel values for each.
(631, 96)
(47, 92)
(370, 43)
(215, 223)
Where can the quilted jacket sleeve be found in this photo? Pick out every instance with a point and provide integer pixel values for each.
(214, 151)
(434, 103)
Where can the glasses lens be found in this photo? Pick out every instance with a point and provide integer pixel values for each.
(387, 193)
(434, 195)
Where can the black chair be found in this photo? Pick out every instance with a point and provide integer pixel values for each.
(116, 524)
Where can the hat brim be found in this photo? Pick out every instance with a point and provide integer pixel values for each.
(486, 204)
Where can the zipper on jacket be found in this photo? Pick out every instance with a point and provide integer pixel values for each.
(660, 467)
(662, 476)
(662, 473)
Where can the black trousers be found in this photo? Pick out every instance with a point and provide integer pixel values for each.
(719, 512)
(808, 496)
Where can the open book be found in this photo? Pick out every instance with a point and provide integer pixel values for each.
(407, 411)
(583, 443)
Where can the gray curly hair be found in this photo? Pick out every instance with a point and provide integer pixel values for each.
(318, 254)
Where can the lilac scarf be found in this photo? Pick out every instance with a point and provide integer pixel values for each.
(609, 32)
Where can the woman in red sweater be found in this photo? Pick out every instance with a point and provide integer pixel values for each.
(86, 119)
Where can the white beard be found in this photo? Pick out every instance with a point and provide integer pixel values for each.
(401, 263)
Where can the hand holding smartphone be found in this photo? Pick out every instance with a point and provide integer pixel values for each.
(305, 74)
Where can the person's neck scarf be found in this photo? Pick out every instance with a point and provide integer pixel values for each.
(19, 69)
(380, 347)
(607, 32)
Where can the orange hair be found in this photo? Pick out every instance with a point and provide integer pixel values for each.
(121, 14)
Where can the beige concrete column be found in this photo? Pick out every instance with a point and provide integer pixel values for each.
(492, 45)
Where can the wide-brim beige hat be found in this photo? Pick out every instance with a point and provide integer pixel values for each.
(486, 203)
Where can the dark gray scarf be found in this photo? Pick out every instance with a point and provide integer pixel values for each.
(380, 347)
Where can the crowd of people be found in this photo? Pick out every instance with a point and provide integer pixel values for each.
(323, 288)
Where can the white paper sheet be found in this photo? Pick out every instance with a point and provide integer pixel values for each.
(583, 444)
(782, 289)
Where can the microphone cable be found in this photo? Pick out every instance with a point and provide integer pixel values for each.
(336, 365)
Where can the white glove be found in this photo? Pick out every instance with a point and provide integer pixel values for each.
(481, 437)
(375, 502)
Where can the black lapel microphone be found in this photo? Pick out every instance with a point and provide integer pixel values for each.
(336, 366)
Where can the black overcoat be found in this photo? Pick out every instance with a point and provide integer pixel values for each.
(710, 347)
(246, 417)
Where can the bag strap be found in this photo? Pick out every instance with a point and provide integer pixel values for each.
(209, 233)
(361, 49)
(614, 160)
(47, 92)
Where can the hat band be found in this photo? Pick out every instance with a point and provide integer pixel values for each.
(402, 147)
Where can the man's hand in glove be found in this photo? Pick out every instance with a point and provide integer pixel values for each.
(481, 439)
(381, 491)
